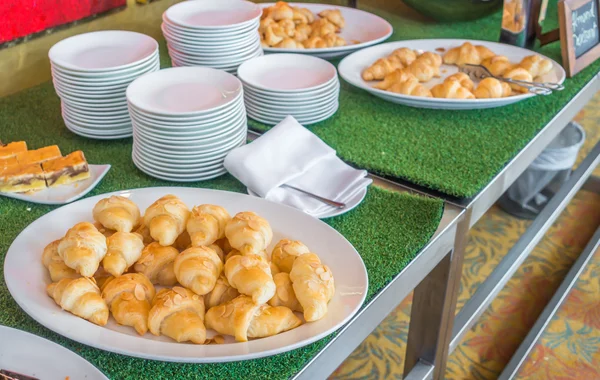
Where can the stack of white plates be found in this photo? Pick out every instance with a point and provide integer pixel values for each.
(221, 34)
(279, 85)
(185, 121)
(91, 73)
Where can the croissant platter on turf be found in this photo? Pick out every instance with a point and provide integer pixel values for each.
(81, 297)
(166, 219)
(117, 213)
(179, 314)
(82, 248)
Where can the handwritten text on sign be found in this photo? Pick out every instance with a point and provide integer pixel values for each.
(585, 27)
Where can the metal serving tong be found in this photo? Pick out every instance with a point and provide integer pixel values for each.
(480, 72)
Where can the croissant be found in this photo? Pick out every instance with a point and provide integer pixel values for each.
(117, 213)
(280, 11)
(274, 268)
(314, 43)
(274, 34)
(235, 252)
(248, 233)
(536, 65)
(284, 293)
(396, 76)
(411, 86)
(333, 40)
(463, 79)
(382, 67)
(103, 230)
(166, 219)
(289, 43)
(334, 16)
(405, 55)
(244, 319)
(144, 232)
(207, 224)
(82, 248)
(322, 27)
(101, 277)
(451, 89)
(424, 68)
(313, 285)
(310, 17)
(128, 298)
(157, 263)
(198, 268)
(288, 27)
(123, 250)
(55, 264)
(467, 54)
(81, 297)
(264, 23)
(497, 65)
(285, 252)
(492, 88)
(251, 275)
(179, 314)
(302, 32)
(221, 293)
(519, 73)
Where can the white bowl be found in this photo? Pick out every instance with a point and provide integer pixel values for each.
(199, 37)
(90, 95)
(184, 124)
(213, 14)
(102, 51)
(211, 33)
(184, 120)
(113, 81)
(141, 66)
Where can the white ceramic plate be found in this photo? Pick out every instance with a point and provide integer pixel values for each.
(184, 91)
(352, 67)
(363, 27)
(30, 355)
(350, 205)
(65, 193)
(332, 87)
(287, 109)
(196, 133)
(227, 132)
(113, 82)
(289, 105)
(213, 14)
(212, 33)
(77, 75)
(200, 37)
(151, 156)
(183, 125)
(215, 46)
(178, 177)
(313, 119)
(102, 51)
(26, 281)
(96, 136)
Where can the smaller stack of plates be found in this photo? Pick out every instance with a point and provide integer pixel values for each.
(221, 34)
(279, 85)
(185, 121)
(91, 73)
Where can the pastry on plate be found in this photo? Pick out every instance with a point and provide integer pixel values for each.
(82, 248)
(285, 252)
(536, 65)
(206, 224)
(251, 275)
(313, 285)
(467, 53)
(451, 89)
(81, 297)
(243, 319)
(198, 268)
(284, 293)
(12, 149)
(128, 298)
(334, 16)
(179, 314)
(463, 79)
(55, 264)
(497, 65)
(39, 155)
(64, 170)
(157, 263)
(221, 293)
(411, 86)
(21, 178)
(248, 233)
(117, 213)
(425, 67)
(123, 250)
(382, 67)
(492, 88)
(519, 73)
(166, 218)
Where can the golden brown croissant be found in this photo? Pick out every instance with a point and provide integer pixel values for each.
(536, 65)
(333, 40)
(497, 65)
(221, 293)
(310, 17)
(451, 89)
(284, 293)
(123, 250)
(322, 27)
(288, 27)
(382, 67)
(274, 35)
(519, 73)
(117, 213)
(264, 23)
(157, 263)
(81, 297)
(492, 88)
(274, 268)
(235, 252)
(405, 55)
(198, 268)
(248, 233)
(280, 11)
(423, 68)
(144, 232)
(463, 79)
(285, 252)
(302, 32)
(334, 16)
(166, 218)
(467, 54)
(290, 43)
(313, 285)
(128, 298)
(103, 230)
(314, 43)
(179, 314)
(251, 275)
(55, 264)
(396, 76)
(224, 245)
(411, 86)
(101, 277)
(244, 319)
(207, 224)
(82, 248)
(433, 59)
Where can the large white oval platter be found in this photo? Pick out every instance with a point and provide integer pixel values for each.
(27, 279)
(364, 27)
(351, 68)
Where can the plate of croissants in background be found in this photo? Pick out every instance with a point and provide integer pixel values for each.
(188, 275)
(322, 30)
(429, 73)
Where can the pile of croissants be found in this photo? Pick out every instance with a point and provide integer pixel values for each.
(287, 27)
(213, 270)
(404, 71)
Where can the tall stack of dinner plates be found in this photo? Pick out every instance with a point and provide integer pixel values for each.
(91, 73)
(185, 121)
(278, 85)
(220, 34)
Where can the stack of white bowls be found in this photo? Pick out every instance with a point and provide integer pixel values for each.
(278, 85)
(185, 121)
(91, 73)
(215, 33)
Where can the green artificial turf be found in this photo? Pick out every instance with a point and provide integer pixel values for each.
(388, 229)
(455, 152)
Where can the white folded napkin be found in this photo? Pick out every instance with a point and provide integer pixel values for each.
(290, 154)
